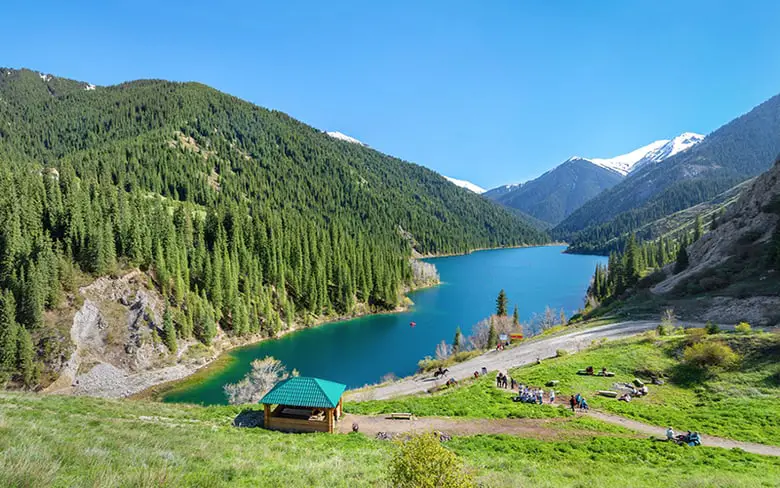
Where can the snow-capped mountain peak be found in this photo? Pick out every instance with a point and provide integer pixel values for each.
(655, 152)
(465, 184)
(675, 146)
(343, 137)
(624, 163)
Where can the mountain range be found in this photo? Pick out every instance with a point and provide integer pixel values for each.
(737, 151)
(557, 193)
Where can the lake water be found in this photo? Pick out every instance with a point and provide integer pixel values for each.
(361, 351)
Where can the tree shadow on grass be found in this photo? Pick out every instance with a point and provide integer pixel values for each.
(249, 418)
(688, 376)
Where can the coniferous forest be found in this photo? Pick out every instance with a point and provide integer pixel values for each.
(246, 219)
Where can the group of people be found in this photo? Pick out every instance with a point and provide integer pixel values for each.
(533, 395)
(502, 381)
(578, 401)
(689, 438)
(632, 392)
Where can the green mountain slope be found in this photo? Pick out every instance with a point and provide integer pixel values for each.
(737, 151)
(560, 191)
(244, 217)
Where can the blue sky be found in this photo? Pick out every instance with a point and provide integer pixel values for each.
(492, 92)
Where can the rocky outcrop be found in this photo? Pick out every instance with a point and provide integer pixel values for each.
(116, 337)
(737, 243)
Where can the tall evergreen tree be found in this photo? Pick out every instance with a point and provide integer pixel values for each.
(632, 268)
(8, 331)
(169, 331)
(682, 260)
(25, 358)
(492, 335)
(456, 342)
(698, 228)
(515, 317)
(501, 303)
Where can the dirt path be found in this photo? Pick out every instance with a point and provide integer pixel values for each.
(707, 440)
(546, 429)
(510, 358)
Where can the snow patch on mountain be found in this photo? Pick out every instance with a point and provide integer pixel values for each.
(624, 163)
(655, 152)
(681, 143)
(89, 87)
(343, 137)
(45, 77)
(465, 184)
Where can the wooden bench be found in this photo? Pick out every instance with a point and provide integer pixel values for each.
(401, 416)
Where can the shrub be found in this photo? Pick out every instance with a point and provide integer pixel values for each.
(561, 352)
(709, 355)
(712, 328)
(664, 330)
(743, 328)
(422, 462)
(264, 375)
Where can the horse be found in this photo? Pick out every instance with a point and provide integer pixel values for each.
(440, 372)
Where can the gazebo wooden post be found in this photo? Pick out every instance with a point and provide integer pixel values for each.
(330, 420)
(340, 409)
(267, 416)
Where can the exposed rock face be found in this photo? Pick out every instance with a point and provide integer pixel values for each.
(750, 221)
(115, 332)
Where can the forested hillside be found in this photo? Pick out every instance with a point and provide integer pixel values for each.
(737, 151)
(726, 270)
(560, 191)
(244, 217)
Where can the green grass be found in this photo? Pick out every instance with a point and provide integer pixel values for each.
(478, 398)
(597, 462)
(80, 442)
(742, 404)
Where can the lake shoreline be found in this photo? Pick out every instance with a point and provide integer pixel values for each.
(480, 249)
(221, 359)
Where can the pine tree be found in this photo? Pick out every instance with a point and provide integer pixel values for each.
(169, 331)
(456, 342)
(682, 260)
(492, 335)
(698, 228)
(25, 353)
(515, 317)
(501, 303)
(632, 266)
(8, 331)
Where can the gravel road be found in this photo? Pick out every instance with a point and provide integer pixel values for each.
(510, 358)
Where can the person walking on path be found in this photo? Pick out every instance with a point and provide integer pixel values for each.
(552, 396)
(572, 402)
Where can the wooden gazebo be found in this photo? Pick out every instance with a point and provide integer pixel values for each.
(303, 404)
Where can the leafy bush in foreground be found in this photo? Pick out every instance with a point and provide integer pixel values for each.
(422, 462)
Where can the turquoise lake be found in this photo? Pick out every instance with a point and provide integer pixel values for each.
(361, 351)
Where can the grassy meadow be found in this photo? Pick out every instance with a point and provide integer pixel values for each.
(742, 403)
(81, 442)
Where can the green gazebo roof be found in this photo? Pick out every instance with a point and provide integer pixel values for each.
(302, 391)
